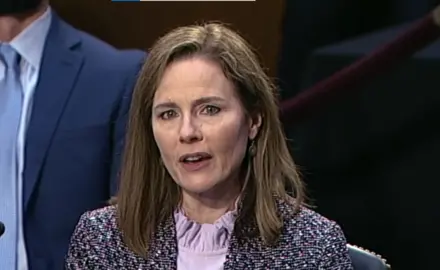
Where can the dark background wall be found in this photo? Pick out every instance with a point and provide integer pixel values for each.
(310, 24)
(369, 158)
(137, 25)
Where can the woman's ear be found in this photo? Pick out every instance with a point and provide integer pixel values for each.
(254, 126)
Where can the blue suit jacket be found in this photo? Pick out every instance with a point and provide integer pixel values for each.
(74, 138)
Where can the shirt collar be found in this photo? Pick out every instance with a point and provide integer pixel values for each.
(30, 42)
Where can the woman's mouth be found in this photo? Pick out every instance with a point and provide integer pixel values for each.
(195, 161)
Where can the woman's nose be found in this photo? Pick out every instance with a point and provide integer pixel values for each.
(189, 130)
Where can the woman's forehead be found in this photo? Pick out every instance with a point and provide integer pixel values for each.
(193, 79)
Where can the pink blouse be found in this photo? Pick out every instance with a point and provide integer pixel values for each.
(203, 246)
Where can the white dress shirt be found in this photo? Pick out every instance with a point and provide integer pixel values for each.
(30, 45)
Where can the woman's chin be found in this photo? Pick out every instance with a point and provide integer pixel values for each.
(194, 186)
(197, 189)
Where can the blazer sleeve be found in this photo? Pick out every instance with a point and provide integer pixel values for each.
(120, 124)
(80, 250)
(335, 254)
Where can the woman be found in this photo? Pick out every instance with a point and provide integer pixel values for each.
(207, 171)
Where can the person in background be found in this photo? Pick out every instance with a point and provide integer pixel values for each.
(207, 172)
(64, 97)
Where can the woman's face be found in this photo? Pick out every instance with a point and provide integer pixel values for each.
(200, 125)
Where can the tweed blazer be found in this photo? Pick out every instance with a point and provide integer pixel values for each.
(308, 242)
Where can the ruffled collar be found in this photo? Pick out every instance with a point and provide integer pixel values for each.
(198, 237)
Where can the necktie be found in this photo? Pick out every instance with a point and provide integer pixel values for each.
(10, 111)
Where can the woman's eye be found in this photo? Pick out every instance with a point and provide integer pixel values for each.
(167, 115)
(210, 110)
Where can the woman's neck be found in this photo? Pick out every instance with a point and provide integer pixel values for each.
(204, 208)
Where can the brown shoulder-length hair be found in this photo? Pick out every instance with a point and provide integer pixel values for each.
(147, 194)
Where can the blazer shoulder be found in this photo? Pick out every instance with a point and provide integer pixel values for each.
(92, 46)
(323, 238)
(106, 55)
(313, 223)
(105, 215)
(95, 232)
(102, 54)
(97, 222)
(305, 218)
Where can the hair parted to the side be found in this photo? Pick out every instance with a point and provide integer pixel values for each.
(147, 194)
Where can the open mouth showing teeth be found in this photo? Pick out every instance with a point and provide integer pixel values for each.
(194, 158)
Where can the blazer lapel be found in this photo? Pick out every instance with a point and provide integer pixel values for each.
(246, 248)
(243, 247)
(61, 63)
(164, 248)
